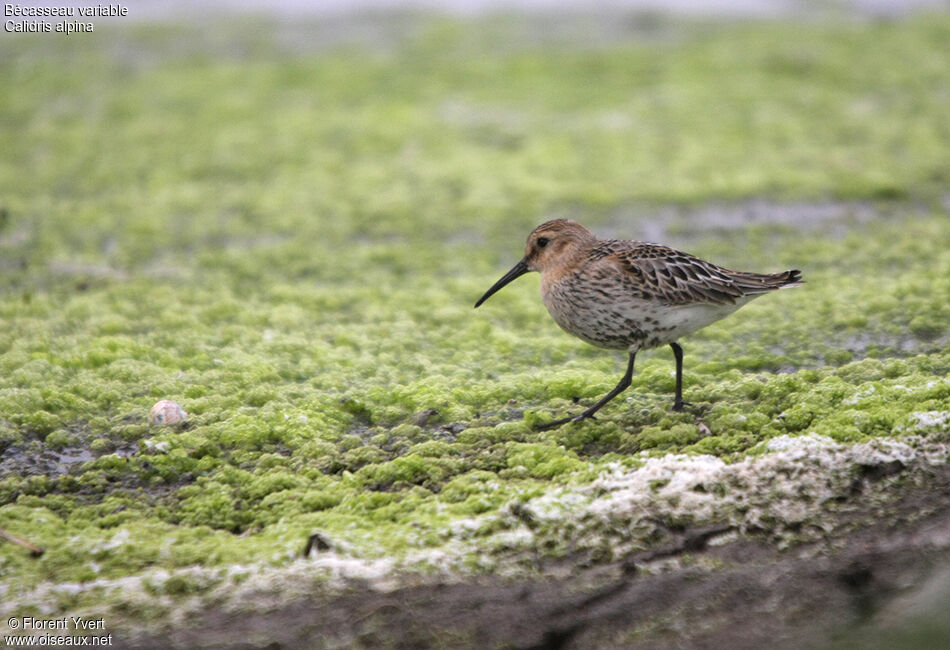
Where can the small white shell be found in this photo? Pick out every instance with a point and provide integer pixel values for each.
(166, 412)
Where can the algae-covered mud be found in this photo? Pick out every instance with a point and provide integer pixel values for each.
(286, 236)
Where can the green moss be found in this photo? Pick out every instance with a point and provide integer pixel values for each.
(674, 437)
(541, 461)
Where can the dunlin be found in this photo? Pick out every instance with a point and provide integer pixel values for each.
(631, 295)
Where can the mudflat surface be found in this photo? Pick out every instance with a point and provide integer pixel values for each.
(880, 578)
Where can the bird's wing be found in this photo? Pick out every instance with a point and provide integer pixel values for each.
(673, 277)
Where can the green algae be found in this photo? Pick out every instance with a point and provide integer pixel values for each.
(290, 244)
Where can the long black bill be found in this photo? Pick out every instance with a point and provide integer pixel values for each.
(517, 271)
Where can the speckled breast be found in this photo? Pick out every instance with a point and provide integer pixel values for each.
(602, 315)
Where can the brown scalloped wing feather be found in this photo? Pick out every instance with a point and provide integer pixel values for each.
(677, 278)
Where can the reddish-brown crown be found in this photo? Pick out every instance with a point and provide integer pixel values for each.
(557, 245)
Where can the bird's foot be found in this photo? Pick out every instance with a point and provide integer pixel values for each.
(572, 418)
(679, 406)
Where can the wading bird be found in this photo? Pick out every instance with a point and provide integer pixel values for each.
(631, 295)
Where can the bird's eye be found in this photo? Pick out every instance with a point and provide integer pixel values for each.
(542, 242)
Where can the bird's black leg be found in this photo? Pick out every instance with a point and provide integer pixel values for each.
(589, 413)
(678, 402)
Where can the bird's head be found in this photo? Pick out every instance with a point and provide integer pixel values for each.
(552, 245)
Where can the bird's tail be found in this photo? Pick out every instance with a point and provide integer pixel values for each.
(789, 279)
(752, 283)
